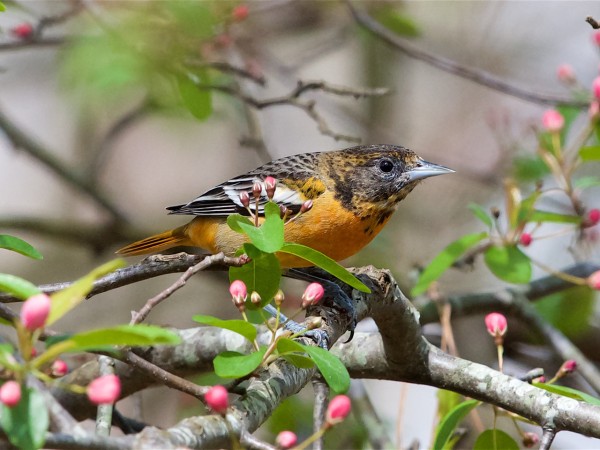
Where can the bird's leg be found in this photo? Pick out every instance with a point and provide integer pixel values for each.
(321, 337)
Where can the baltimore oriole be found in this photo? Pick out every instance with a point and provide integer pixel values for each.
(353, 191)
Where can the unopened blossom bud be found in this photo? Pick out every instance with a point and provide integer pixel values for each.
(338, 409)
(283, 211)
(256, 190)
(594, 110)
(306, 206)
(596, 37)
(566, 74)
(240, 13)
(525, 239)
(104, 390)
(593, 280)
(10, 393)
(255, 298)
(593, 217)
(59, 368)
(22, 31)
(553, 121)
(596, 88)
(239, 294)
(270, 185)
(530, 439)
(496, 325)
(569, 366)
(495, 212)
(314, 322)
(312, 294)
(217, 399)
(279, 298)
(245, 199)
(35, 311)
(541, 379)
(286, 439)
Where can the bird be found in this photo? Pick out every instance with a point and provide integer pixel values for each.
(351, 195)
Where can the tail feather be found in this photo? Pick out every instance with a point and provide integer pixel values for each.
(156, 243)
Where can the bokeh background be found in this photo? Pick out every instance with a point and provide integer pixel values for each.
(62, 96)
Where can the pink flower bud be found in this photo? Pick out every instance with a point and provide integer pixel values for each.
(240, 13)
(270, 184)
(596, 37)
(541, 379)
(593, 217)
(569, 366)
(553, 121)
(496, 324)
(530, 439)
(338, 409)
(35, 311)
(566, 74)
(238, 291)
(59, 368)
(306, 206)
(10, 393)
(596, 87)
(593, 280)
(245, 199)
(312, 294)
(256, 189)
(217, 399)
(104, 390)
(286, 439)
(22, 31)
(525, 239)
(283, 211)
(279, 298)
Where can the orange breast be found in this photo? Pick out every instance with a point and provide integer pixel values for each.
(327, 228)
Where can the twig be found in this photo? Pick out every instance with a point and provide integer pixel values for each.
(532, 375)
(24, 142)
(164, 377)
(105, 411)
(138, 317)
(226, 67)
(150, 267)
(321, 391)
(593, 22)
(32, 43)
(548, 435)
(249, 441)
(447, 65)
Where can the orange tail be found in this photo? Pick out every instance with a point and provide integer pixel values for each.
(157, 243)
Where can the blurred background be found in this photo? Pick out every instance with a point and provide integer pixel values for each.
(102, 126)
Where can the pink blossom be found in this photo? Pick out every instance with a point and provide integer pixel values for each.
(104, 390)
(596, 88)
(338, 409)
(35, 311)
(22, 31)
(286, 439)
(593, 280)
(525, 239)
(596, 37)
(10, 393)
(217, 399)
(312, 294)
(496, 324)
(553, 121)
(59, 368)
(238, 292)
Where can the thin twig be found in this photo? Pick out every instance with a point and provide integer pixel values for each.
(548, 435)
(250, 441)
(105, 411)
(321, 390)
(593, 22)
(447, 65)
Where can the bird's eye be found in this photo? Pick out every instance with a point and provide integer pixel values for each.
(386, 165)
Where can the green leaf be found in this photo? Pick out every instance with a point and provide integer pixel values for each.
(508, 263)
(286, 345)
(19, 245)
(7, 360)
(302, 362)
(69, 298)
(529, 168)
(269, 236)
(17, 287)
(106, 338)
(526, 209)
(445, 259)
(569, 310)
(495, 439)
(591, 153)
(547, 216)
(325, 263)
(447, 400)
(450, 421)
(195, 19)
(294, 352)
(568, 392)
(233, 221)
(335, 373)
(2, 7)
(197, 100)
(238, 326)
(262, 274)
(26, 423)
(481, 214)
(236, 365)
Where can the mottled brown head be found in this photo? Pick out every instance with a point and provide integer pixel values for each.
(376, 177)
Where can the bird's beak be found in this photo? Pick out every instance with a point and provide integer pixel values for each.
(425, 170)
